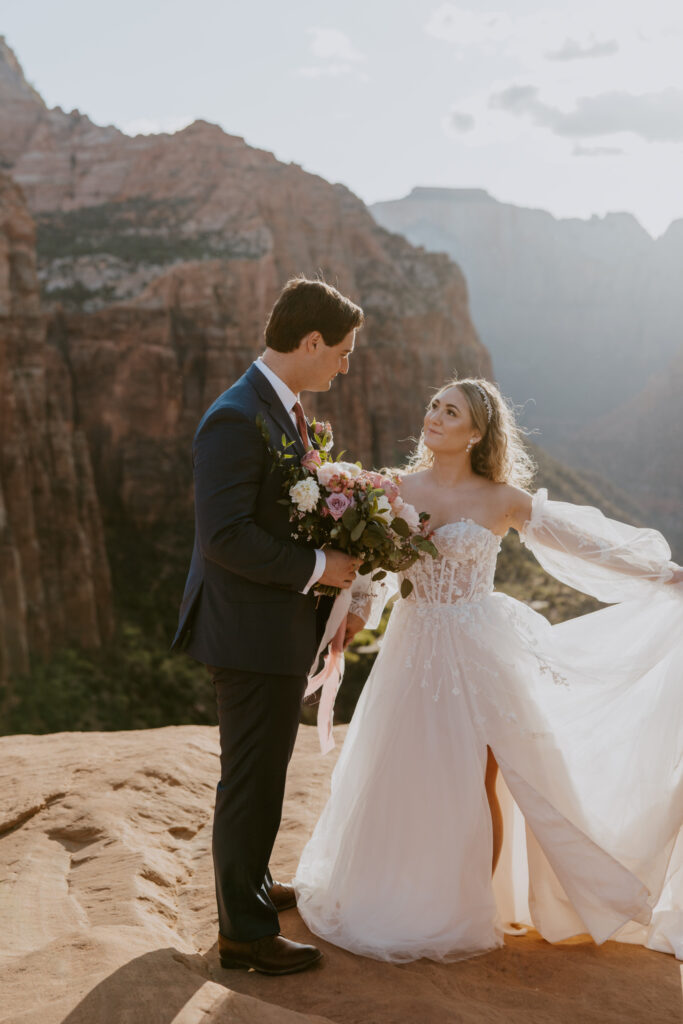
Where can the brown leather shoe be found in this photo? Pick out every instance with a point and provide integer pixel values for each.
(272, 954)
(282, 896)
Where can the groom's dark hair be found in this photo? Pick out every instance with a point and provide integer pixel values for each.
(304, 306)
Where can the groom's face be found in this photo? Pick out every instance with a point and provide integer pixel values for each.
(326, 361)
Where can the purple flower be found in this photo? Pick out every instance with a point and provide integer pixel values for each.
(337, 504)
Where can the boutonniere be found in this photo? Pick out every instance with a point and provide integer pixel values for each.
(322, 432)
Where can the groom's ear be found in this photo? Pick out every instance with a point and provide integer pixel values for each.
(311, 342)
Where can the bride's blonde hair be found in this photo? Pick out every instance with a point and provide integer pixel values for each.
(500, 455)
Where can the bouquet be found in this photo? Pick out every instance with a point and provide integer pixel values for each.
(341, 505)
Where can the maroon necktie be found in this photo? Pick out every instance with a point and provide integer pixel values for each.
(301, 424)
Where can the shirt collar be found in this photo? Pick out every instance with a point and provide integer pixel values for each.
(284, 393)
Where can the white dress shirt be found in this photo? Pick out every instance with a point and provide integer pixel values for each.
(289, 399)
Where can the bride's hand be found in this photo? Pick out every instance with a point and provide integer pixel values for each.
(354, 624)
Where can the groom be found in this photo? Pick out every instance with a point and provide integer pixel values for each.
(249, 611)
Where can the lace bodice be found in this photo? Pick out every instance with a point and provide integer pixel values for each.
(464, 570)
(461, 575)
(577, 544)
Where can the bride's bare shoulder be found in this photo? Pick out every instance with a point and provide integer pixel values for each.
(515, 505)
(407, 482)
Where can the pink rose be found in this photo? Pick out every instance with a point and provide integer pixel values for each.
(337, 504)
(390, 489)
(311, 460)
(397, 505)
(374, 479)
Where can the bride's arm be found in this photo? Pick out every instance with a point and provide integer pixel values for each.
(580, 546)
(368, 599)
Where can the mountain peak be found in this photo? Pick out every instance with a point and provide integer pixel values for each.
(13, 83)
(463, 195)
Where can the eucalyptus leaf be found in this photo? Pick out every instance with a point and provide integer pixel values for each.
(357, 531)
(365, 568)
(379, 575)
(400, 527)
(406, 588)
(350, 518)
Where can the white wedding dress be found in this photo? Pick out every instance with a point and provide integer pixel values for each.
(584, 719)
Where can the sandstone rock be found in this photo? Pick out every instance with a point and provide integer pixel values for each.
(53, 566)
(108, 909)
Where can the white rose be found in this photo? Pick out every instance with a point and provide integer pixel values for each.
(411, 516)
(325, 473)
(349, 469)
(384, 509)
(305, 494)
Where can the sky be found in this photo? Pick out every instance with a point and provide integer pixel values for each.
(576, 108)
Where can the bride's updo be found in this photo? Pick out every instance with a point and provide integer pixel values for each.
(500, 455)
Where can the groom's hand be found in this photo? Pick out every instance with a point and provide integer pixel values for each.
(340, 569)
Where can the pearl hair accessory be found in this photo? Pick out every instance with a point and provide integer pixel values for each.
(487, 402)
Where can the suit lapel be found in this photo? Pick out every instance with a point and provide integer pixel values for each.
(276, 409)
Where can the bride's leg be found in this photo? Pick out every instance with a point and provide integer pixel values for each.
(496, 813)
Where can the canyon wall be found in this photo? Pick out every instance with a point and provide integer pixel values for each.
(54, 576)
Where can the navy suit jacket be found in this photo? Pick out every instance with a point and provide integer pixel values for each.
(243, 607)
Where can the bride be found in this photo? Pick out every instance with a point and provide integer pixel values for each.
(582, 720)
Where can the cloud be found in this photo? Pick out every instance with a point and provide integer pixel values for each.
(331, 44)
(655, 117)
(459, 122)
(573, 50)
(580, 150)
(335, 55)
(469, 28)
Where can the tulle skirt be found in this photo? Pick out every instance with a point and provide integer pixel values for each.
(584, 719)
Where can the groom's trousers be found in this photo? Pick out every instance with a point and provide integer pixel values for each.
(258, 717)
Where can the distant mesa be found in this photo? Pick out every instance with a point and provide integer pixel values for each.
(463, 195)
(578, 315)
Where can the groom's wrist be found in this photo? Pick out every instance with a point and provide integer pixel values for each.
(320, 563)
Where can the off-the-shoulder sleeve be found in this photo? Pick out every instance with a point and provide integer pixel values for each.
(369, 599)
(580, 546)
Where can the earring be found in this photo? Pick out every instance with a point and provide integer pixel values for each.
(470, 445)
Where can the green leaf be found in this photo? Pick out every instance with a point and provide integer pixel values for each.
(370, 539)
(379, 575)
(400, 527)
(365, 568)
(357, 531)
(284, 441)
(425, 545)
(350, 518)
(406, 588)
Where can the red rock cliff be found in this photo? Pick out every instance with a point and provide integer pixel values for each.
(54, 577)
(160, 257)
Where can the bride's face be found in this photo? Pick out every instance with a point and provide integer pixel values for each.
(447, 423)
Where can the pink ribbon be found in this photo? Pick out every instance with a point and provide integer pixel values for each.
(329, 678)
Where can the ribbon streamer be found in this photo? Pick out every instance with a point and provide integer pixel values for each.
(328, 680)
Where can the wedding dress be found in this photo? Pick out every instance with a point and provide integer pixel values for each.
(584, 719)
